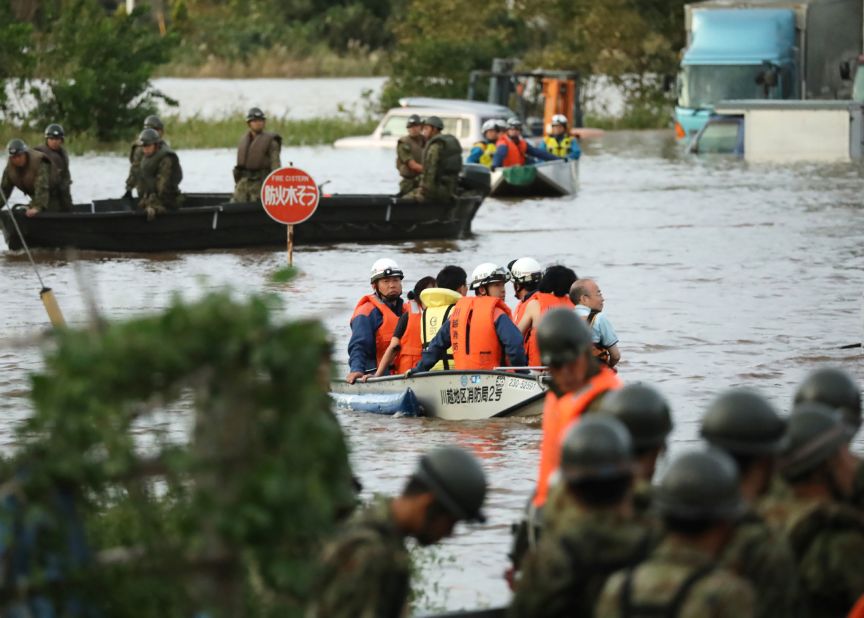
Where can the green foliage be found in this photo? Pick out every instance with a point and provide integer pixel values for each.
(438, 44)
(226, 522)
(15, 62)
(97, 70)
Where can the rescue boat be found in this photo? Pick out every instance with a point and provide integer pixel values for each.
(545, 179)
(448, 395)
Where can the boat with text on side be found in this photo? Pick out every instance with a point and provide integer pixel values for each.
(450, 395)
(546, 179)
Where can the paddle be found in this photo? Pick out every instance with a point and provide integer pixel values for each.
(849, 346)
(45, 294)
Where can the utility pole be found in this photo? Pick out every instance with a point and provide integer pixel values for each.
(130, 6)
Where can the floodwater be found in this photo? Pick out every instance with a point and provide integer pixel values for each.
(716, 274)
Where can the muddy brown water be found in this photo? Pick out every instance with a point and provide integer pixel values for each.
(716, 274)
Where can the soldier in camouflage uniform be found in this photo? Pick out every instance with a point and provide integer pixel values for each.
(442, 164)
(698, 499)
(257, 156)
(645, 414)
(366, 568)
(743, 424)
(136, 154)
(825, 532)
(53, 149)
(837, 389)
(159, 176)
(30, 172)
(409, 154)
(596, 532)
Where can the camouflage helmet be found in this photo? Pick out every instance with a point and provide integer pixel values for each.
(153, 122)
(434, 121)
(413, 121)
(645, 413)
(701, 486)
(836, 389)
(815, 434)
(742, 422)
(16, 146)
(596, 448)
(562, 337)
(55, 131)
(255, 113)
(456, 479)
(148, 137)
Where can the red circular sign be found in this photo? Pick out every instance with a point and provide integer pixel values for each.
(289, 195)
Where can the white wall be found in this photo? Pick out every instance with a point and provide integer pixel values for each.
(796, 135)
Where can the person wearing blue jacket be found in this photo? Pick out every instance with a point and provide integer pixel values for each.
(559, 143)
(486, 280)
(514, 149)
(483, 151)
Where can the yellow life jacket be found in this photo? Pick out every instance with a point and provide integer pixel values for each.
(438, 303)
(488, 152)
(559, 149)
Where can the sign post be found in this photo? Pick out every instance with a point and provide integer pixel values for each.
(290, 196)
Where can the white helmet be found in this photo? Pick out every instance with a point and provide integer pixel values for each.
(488, 273)
(385, 267)
(526, 270)
(501, 124)
(489, 125)
(559, 119)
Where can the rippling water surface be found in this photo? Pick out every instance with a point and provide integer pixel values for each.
(716, 273)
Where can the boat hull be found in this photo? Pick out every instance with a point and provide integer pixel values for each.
(209, 221)
(457, 395)
(551, 179)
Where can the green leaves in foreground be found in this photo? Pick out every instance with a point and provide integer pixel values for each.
(225, 521)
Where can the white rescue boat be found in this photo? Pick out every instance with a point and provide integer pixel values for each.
(545, 179)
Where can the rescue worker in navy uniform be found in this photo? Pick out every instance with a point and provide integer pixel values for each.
(53, 149)
(366, 568)
(526, 273)
(136, 154)
(374, 319)
(698, 499)
(257, 156)
(836, 388)
(597, 532)
(826, 533)
(744, 425)
(483, 151)
(31, 173)
(559, 143)
(480, 328)
(513, 149)
(159, 176)
(442, 164)
(409, 155)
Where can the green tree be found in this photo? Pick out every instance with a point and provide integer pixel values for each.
(15, 62)
(97, 69)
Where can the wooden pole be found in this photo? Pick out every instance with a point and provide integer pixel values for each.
(290, 245)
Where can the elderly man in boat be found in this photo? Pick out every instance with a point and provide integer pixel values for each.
(480, 329)
(513, 149)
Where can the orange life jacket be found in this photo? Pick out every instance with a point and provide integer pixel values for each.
(472, 332)
(515, 152)
(558, 415)
(385, 332)
(520, 310)
(858, 609)
(411, 344)
(547, 301)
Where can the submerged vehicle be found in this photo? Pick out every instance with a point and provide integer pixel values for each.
(449, 395)
(545, 179)
(765, 49)
(462, 119)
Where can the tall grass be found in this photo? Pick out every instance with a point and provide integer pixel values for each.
(196, 132)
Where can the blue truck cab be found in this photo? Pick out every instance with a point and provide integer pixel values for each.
(736, 54)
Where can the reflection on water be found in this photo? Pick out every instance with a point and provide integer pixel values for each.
(716, 274)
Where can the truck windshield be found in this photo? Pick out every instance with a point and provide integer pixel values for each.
(704, 86)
